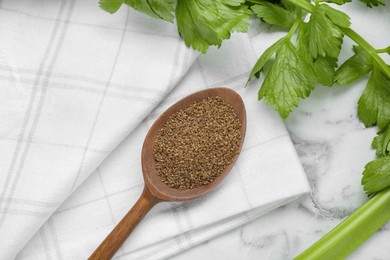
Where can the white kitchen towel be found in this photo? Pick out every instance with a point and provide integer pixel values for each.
(76, 82)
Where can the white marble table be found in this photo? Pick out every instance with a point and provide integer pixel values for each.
(333, 146)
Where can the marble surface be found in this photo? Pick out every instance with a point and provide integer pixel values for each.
(333, 146)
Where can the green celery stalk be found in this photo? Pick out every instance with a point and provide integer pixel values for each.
(353, 231)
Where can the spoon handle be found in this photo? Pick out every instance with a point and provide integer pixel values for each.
(119, 234)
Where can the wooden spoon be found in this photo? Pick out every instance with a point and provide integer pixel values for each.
(155, 190)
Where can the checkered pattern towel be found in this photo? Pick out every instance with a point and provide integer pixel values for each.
(79, 90)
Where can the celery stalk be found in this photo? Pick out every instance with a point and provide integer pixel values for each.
(353, 231)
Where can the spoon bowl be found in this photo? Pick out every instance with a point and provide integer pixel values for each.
(152, 180)
(155, 190)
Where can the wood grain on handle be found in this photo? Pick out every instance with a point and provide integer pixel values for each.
(119, 234)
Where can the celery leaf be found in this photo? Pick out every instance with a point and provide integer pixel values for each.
(339, 2)
(337, 17)
(382, 143)
(162, 9)
(371, 3)
(288, 80)
(325, 36)
(267, 54)
(110, 6)
(354, 68)
(374, 104)
(207, 22)
(323, 68)
(376, 175)
(275, 14)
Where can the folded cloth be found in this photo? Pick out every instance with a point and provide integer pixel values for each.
(75, 84)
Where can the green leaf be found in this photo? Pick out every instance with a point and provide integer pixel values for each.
(374, 104)
(381, 143)
(355, 67)
(274, 14)
(338, 18)
(377, 144)
(325, 37)
(376, 175)
(207, 22)
(288, 80)
(267, 54)
(371, 3)
(110, 6)
(323, 68)
(339, 2)
(161, 9)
